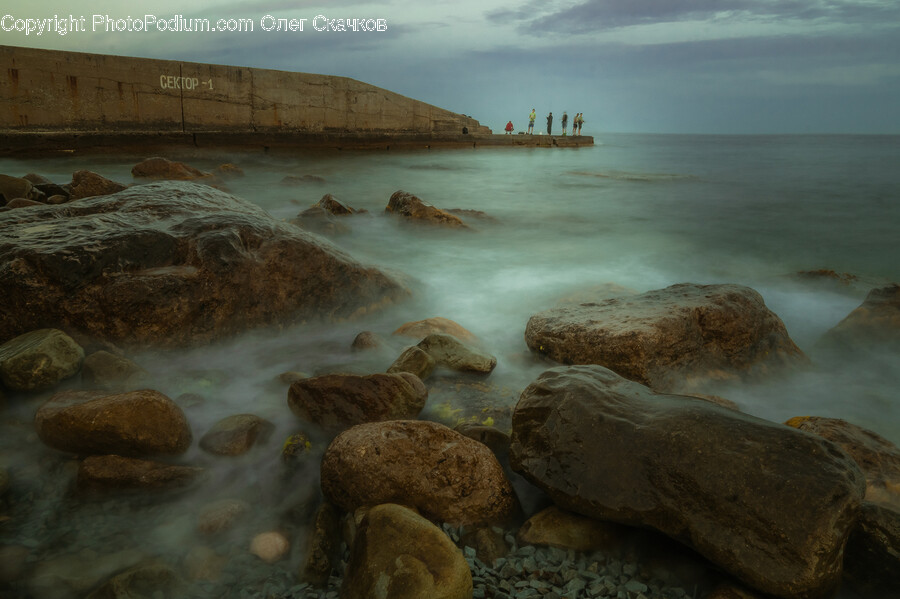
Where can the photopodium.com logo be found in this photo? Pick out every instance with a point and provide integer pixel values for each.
(181, 24)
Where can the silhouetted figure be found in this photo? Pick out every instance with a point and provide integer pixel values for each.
(549, 122)
(565, 122)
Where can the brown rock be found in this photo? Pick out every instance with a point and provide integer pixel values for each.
(399, 554)
(162, 168)
(875, 322)
(878, 458)
(771, 505)
(14, 187)
(86, 184)
(494, 438)
(450, 352)
(236, 434)
(420, 329)
(136, 423)
(425, 465)
(22, 203)
(179, 264)
(144, 580)
(367, 340)
(329, 204)
(414, 360)
(220, 515)
(872, 558)
(109, 371)
(408, 205)
(39, 360)
(270, 546)
(555, 527)
(57, 199)
(322, 547)
(488, 543)
(337, 401)
(229, 171)
(296, 449)
(670, 338)
(108, 472)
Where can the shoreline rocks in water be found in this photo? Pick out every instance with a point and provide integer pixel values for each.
(443, 474)
(172, 263)
(771, 505)
(669, 339)
(876, 322)
(412, 208)
(39, 360)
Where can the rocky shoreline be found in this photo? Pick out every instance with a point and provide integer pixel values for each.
(616, 475)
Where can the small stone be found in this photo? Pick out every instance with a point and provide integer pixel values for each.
(270, 546)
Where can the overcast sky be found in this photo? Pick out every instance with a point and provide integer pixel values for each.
(667, 66)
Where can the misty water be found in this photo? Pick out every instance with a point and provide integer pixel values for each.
(635, 211)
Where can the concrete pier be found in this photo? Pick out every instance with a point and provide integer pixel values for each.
(63, 101)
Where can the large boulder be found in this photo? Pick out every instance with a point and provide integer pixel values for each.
(878, 458)
(407, 205)
(137, 423)
(87, 184)
(425, 465)
(338, 401)
(771, 505)
(876, 322)
(670, 337)
(163, 168)
(398, 554)
(172, 263)
(39, 360)
(872, 558)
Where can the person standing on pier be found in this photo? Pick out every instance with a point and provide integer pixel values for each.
(549, 122)
(580, 121)
(565, 122)
(509, 128)
(531, 118)
(575, 123)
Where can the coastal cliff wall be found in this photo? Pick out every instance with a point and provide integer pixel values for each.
(56, 91)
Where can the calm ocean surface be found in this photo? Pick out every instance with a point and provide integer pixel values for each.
(639, 211)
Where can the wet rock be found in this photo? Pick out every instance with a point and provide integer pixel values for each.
(407, 205)
(670, 338)
(172, 263)
(401, 555)
(36, 179)
(337, 401)
(39, 360)
(872, 557)
(330, 205)
(87, 184)
(367, 340)
(220, 515)
(488, 543)
(316, 219)
(236, 434)
(296, 449)
(878, 458)
(50, 190)
(108, 371)
(57, 199)
(450, 352)
(425, 465)
(113, 472)
(420, 329)
(14, 187)
(163, 168)
(228, 171)
(270, 546)
(22, 203)
(413, 360)
(555, 527)
(876, 322)
(294, 180)
(136, 423)
(771, 505)
(150, 580)
(322, 548)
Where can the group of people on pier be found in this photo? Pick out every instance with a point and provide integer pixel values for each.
(577, 122)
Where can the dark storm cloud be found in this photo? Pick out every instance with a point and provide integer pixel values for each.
(599, 15)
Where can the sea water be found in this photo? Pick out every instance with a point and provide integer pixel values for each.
(634, 212)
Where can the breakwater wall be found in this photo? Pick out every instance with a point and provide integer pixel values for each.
(52, 98)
